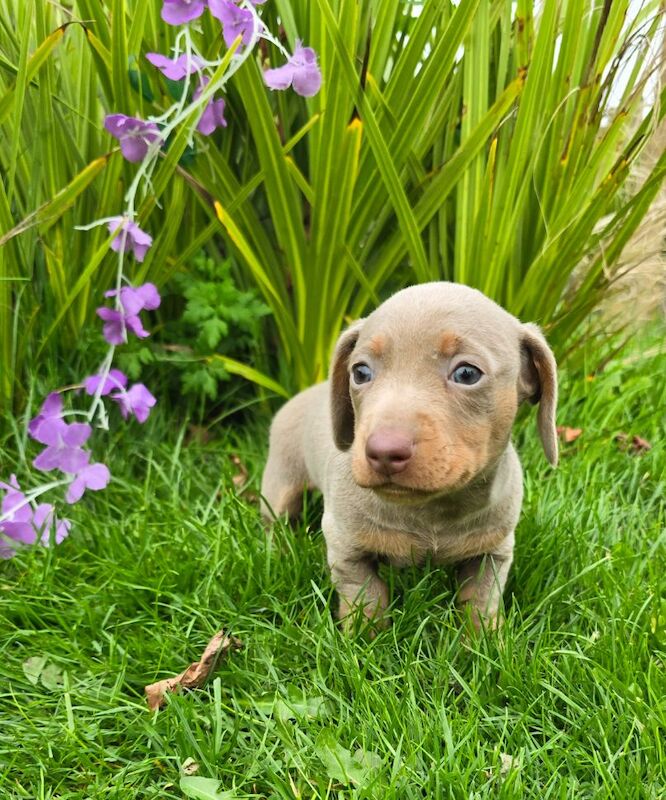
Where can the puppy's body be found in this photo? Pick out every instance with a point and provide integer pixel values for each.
(453, 492)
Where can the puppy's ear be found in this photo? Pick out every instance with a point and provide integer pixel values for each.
(342, 411)
(538, 384)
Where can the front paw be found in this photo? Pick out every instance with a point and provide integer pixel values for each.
(362, 615)
(477, 625)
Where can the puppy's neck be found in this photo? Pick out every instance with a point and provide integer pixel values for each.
(475, 498)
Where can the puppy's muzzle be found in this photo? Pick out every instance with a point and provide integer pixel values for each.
(389, 452)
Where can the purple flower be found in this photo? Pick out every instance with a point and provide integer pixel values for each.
(135, 298)
(301, 72)
(23, 525)
(213, 115)
(43, 520)
(136, 400)
(14, 504)
(132, 301)
(117, 324)
(63, 450)
(94, 476)
(134, 238)
(114, 380)
(235, 21)
(51, 409)
(135, 135)
(175, 69)
(178, 12)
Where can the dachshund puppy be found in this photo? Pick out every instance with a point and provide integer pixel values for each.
(410, 443)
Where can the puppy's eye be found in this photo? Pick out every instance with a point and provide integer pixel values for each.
(361, 373)
(466, 374)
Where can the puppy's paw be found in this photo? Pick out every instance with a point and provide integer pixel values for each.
(367, 618)
(477, 625)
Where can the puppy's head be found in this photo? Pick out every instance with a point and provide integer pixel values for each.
(425, 390)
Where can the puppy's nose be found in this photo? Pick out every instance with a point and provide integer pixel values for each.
(388, 452)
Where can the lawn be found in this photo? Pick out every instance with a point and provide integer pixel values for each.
(567, 700)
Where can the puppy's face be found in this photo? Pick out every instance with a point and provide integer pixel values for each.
(426, 389)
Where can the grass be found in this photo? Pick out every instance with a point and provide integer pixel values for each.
(572, 690)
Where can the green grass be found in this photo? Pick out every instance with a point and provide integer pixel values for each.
(573, 687)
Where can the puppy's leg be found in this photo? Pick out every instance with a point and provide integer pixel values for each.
(482, 581)
(285, 475)
(281, 490)
(355, 578)
(359, 586)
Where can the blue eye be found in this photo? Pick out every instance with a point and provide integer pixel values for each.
(361, 373)
(466, 374)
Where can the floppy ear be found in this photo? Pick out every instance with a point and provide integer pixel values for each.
(538, 384)
(342, 411)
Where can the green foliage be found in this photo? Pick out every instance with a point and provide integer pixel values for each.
(133, 358)
(214, 303)
(476, 142)
(218, 319)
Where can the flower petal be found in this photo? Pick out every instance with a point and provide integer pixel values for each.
(149, 295)
(77, 434)
(280, 77)
(97, 476)
(134, 324)
(48, 459)
(43, 517)
(15, 507)
(235, 21)
(75, 490)
(49, 431)
(22, 532)
(175, 69)
(52, 406)
(72, 460)
(114, 380)
(133, 148)
(62, 529)
(307, 80)
(179, 12)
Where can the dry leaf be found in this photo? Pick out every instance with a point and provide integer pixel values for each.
(637, 444)
(196, 674)
(189, 767)
(241, 476)
(507, 763)
(569, 434)
(640, 445)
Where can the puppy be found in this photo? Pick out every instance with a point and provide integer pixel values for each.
(409, 442)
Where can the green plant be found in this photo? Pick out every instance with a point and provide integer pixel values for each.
(484, 147)
(470, 142)
(220, 326)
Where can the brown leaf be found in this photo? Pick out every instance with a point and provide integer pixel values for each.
(640, 445)
(241, 476)
(569, 434)
(637, 444)
(196, 674)
(189, 767)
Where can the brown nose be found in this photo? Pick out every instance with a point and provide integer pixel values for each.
(388, 452)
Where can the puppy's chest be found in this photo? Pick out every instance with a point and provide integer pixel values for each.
(403, 548)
